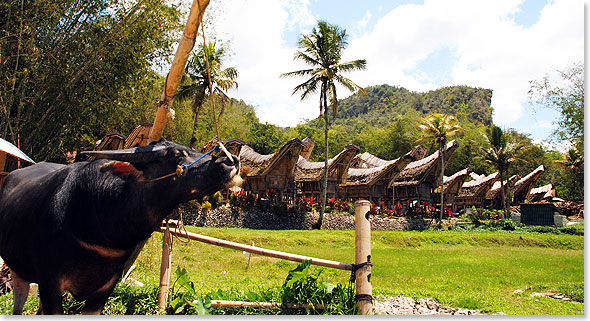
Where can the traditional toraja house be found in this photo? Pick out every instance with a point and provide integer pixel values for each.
(522, 188)
(541, 194)
(233, 146)
(452, 185)
(418, 180)
(111, 141)
(368, 160)
(494, 196)
(473, 193)
(309, 175)
(374, 182)
(139, 136)
(309, 145)
(276, 171)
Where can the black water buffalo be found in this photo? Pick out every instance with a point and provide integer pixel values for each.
(73, 227)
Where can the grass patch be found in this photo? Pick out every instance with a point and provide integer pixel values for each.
(473, 269)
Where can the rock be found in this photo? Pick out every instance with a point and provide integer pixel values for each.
(401, 305)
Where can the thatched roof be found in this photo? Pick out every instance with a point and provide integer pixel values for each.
(139, 136)
(368, 160)
(479, 187)
(496, 188)
(546, 192)
(313, 171)
(524, 184)
(417, 171)
(259, 164)
(233, 145)
(388, 171)
(111, 141)
(455, 181)
(309, 145)
(476, 176)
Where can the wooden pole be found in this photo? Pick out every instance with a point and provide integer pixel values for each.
(259, 251)
(165, 270)
(185, 46)
(362, 244)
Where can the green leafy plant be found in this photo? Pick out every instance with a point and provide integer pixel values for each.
(302, 287)
(184, 298)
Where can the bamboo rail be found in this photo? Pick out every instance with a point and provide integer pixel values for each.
(243, 304)
(362, 268)
(259, 250)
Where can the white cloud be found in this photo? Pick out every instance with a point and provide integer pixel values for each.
(545, 124)
(492, 50)
(255, 30)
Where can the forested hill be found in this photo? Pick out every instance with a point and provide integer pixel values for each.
(384, 102)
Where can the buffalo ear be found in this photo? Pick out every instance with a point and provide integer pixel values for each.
(122, 169)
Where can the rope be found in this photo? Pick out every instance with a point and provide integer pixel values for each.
(180, 226)
(181, 168)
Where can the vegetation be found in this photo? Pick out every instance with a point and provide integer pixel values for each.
(566, 95)
(474, 269)
(322, 50)
(74, 70)
(437, 128)
(204, 76)
(500, 153)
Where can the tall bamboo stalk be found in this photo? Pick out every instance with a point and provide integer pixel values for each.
(185, 47)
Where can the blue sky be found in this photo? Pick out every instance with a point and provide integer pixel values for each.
(419, 45)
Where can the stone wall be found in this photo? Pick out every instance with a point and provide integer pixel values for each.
(256, 219)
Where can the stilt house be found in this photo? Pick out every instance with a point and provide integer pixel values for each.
(418, 180)
(523, 187)
(473, 193)
(309, 175)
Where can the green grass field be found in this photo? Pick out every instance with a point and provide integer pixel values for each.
(475, 270)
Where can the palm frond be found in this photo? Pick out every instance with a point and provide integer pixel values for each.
(304, 72)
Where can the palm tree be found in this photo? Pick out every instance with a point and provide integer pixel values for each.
(196, 80)
(574, 160)
(500, 153)
(322, 50)
(437, 128)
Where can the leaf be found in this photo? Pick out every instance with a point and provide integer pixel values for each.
(329, 286)
(203, 306)
(298, 273)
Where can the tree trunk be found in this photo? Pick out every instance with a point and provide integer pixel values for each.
(442, 172)
(199, 104)
(323, 101)
(504, 207)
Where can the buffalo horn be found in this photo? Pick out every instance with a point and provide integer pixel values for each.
(231, 159)
(140, 154)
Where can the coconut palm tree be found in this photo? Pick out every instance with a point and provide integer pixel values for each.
(437, 128)
(574, 161)
(500, 153)
(322, 51)
(196, 79)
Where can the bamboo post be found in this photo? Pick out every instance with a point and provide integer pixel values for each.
(185, 46)
(362, 244)
(165, 270)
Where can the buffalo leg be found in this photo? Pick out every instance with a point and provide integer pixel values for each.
(20, 288)
(96, 302)
(95, 305)
(51, 298)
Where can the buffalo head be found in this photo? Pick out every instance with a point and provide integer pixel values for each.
(154, 164)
